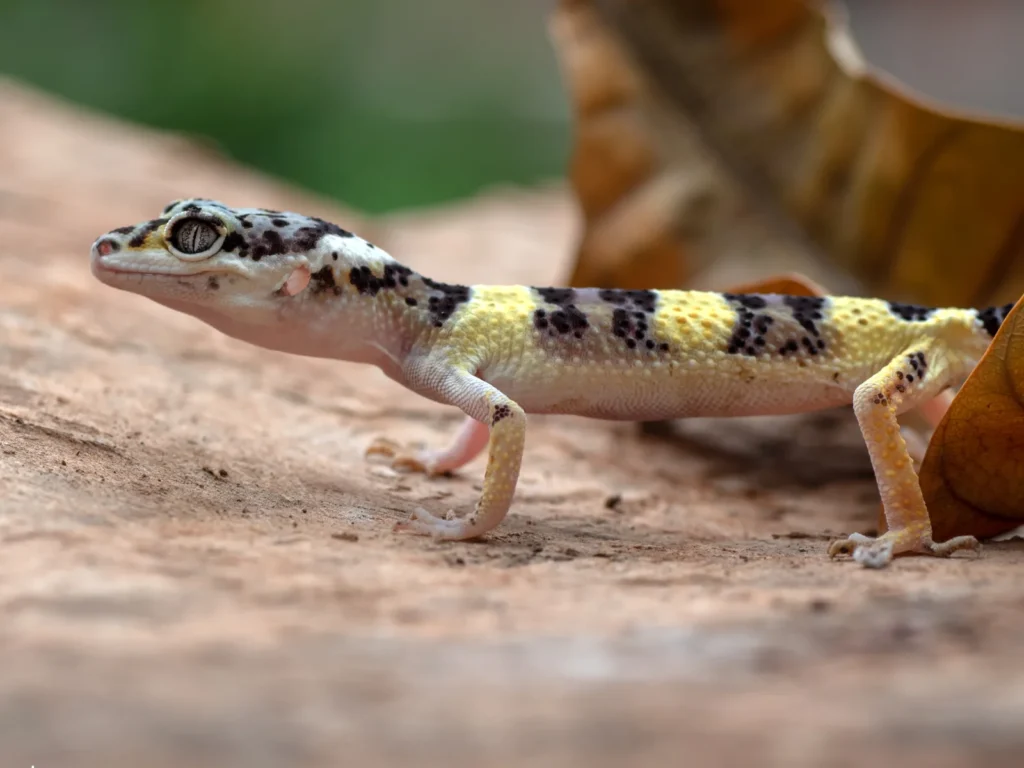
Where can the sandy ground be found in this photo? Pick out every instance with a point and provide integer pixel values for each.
(198, 566)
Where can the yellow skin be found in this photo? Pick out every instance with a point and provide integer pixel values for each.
(301, 285)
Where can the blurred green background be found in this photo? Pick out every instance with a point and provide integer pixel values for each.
(382, 104)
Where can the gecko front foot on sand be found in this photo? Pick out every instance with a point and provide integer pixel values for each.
(426, 524)
(872, 552)
(408, 460)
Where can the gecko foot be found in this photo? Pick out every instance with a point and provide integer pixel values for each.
(409, 461)
(878, 552)
(426, 524)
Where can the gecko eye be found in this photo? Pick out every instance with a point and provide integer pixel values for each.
(194, 237)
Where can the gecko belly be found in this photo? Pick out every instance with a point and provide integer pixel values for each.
(642, 396)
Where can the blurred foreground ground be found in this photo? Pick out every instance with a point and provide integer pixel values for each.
(198, 569)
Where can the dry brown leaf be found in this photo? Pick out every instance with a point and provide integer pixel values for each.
(973, 473)
(919, 203)
(790, 285)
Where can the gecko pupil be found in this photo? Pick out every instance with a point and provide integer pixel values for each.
(193, 236)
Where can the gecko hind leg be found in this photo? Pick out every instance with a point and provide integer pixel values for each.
(912, 378)
(467, 444)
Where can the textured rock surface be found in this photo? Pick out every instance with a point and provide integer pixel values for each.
(197, 565)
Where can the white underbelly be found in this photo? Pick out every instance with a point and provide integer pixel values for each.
(645, 395)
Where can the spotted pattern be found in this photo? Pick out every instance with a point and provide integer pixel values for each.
(444, 300)
(782, 325)
(912, 313)
(500, 412)
(919, 364)
(566, 319)
(914, 372)
(748, 334)
(272, 233)
(366, 282)
(632, 317)
(992, 318)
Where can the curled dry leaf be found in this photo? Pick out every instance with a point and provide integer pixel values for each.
(916, 202)
(973, 473)
(792, 285)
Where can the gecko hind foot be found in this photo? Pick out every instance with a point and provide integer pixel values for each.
(878, 552)
(419, 460)
(426, 524)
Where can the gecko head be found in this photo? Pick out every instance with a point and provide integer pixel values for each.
(202, 252)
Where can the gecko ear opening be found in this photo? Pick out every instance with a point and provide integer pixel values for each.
(297, 281)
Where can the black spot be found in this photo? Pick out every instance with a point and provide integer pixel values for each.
(612, 296)
(807, 310)
(569, 319)
(212, 283)
(334, 255)
(443, 304)
(748, 300)
(910, 312)
(993, 317)
(323, 280)
(364, 280)
(123, 230)
(500, 412)
(274, 243)
(279, 222)
(748, 332)
(233, 242)
(559, 296)
(305, 239)
(411, 301)
(395, 275)
(247, 224)
(631, 318)
(167, 208)
(404, 273)
(641, 300)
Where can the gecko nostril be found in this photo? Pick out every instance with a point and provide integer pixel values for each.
(107, 246)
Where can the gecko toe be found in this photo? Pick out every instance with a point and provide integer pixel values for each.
(402, 459)
(877, 554)
(956, 544)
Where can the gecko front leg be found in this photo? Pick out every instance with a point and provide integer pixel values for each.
(911, 379)
(489, 408)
